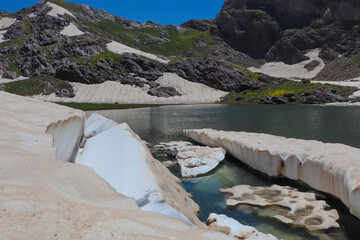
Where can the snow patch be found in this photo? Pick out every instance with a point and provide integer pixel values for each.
(327, 167)
(2, 39)
(119, 48)
(6, 22)
(115, 92)
(31, 15)
(235, 229)
(194, 160)
(71, 30)
(57, 10)
(294, 71)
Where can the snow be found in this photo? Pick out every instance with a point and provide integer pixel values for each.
(122, 159)
(6, 22)
(43, 197)
(313, 215)
(2, 36)
(119, 48)
(115, 92)
(71, 30)
(329, 167)
(294, 71)
(194, 160)
(57, 10)
(237, 229)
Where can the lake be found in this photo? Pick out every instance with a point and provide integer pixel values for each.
(323, 123)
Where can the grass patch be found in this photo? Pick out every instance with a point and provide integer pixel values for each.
(355, 60)
(14, 68)
(42, 84)
(16, 42)
(104, 106)
(253, 96)
(247, 72)
(106, 55)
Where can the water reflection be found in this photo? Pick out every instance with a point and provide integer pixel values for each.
(328, 124)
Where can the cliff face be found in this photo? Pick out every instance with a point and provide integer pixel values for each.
(256, 26)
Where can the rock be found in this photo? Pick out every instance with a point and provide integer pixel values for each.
(278, 100)
(201, 25)
(241, 28)
(233, 228)
(313, 162)
(284, 51)
(302, 208)
(319, 95)
(326, 54)
(312, 65)
(164, 92)
(288, 95)
(9, 75)
(194, 160)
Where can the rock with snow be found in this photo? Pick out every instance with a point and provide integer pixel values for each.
(6, 22)
(233, 228)
(327, 167)
(303, 208)
(194, 160)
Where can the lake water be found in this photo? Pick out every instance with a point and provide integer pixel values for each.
(324, 123)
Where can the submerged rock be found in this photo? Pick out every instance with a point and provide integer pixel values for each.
(303, 208)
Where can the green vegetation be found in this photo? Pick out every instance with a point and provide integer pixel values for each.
(106, 55)
(14, 68)
(104, 106)
(296, 88)
(355, 60)
(247, 72)
(42, 84)
(16, 42)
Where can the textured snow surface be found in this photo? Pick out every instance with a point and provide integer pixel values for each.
(44, 198)
(303, 208)
(71, 30)
(328, 167)
(115, 92)
(120, 48)
(298, 70)
(194, 160)
(120, 157)
(56, 10)
(235, 229)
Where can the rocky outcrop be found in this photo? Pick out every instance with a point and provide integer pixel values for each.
(327, 167)
(46, 198)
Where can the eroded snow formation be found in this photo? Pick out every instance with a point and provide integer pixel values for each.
(294, 71)
(328, 167)
(115, 92)
(120, 157)
(233, 228)
(194, 160)
(44, 198)
(57, 11)
(304, 209)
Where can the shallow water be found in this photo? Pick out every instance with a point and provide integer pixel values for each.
(328, 124)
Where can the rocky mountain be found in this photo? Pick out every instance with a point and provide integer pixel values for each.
(55, 44)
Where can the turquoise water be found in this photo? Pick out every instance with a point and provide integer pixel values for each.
(328, 124)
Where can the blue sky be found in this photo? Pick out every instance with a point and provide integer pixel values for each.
(159, 11)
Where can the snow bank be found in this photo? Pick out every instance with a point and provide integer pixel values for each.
(194, 160)
(235, 229)
(298, 70)
(43, 198)
(57, 10)
(71, 30)
(119, 48)
(115, 92)
(303, 208)
(2, 36)
(328, 167)
(6, 22)
(120, 157)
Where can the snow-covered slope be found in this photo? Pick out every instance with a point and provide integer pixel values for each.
(331, 168)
